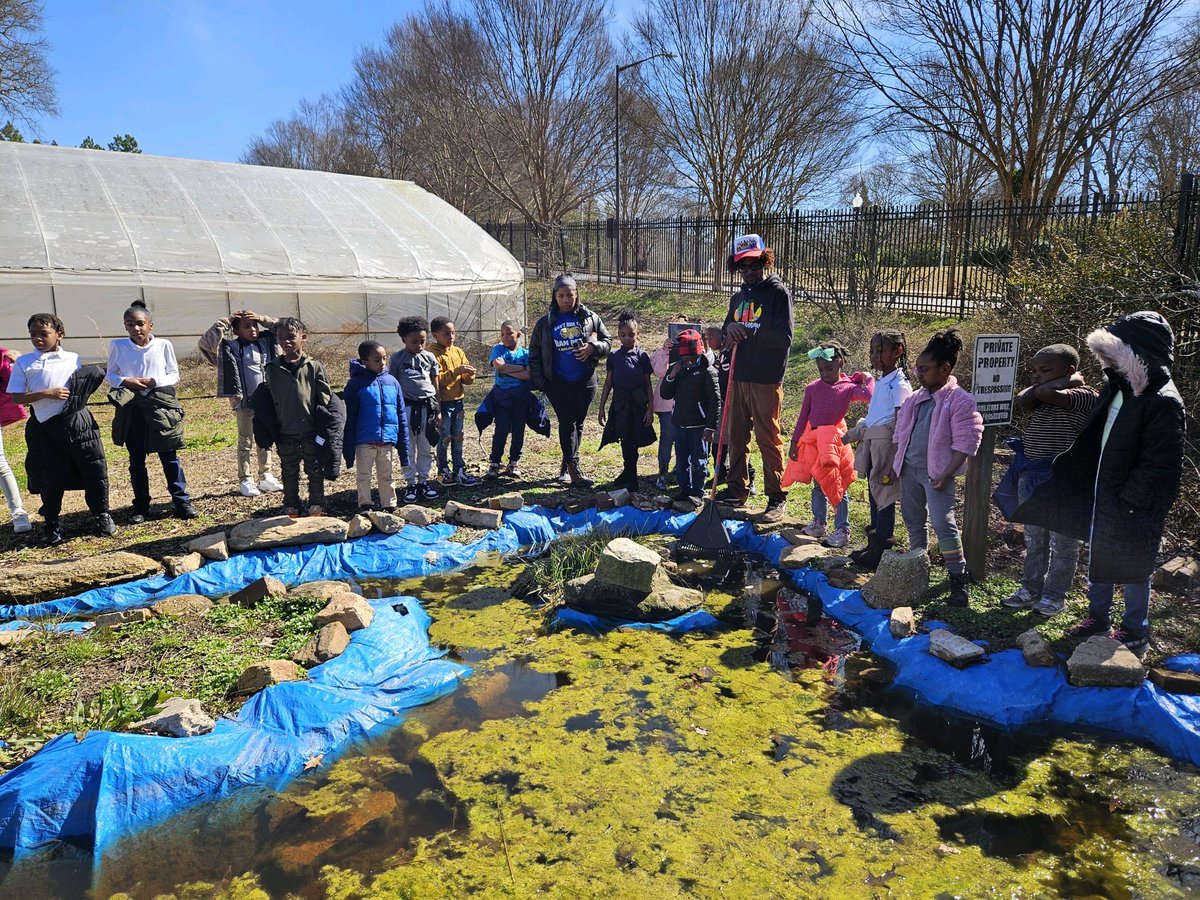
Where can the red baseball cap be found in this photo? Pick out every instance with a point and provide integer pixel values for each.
(748, 246)
(690, 341)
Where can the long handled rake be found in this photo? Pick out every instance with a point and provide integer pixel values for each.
(707, 535)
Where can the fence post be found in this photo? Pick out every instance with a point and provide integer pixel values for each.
(679, 253)
(1183, 220)
(966, 260)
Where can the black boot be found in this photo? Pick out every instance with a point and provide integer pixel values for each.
(958, 590)
(52, 533)
(857, 556)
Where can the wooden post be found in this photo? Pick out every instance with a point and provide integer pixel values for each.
(977, 506)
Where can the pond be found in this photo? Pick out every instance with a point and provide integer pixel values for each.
(767, 759)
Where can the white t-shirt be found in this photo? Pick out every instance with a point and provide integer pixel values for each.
(156, 360)
(38, 371)
(890, 392)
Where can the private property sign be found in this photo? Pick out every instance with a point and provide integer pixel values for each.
(994, 378)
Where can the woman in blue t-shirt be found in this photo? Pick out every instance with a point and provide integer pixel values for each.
(566, 346)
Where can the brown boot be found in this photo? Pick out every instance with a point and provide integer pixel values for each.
(578, 479)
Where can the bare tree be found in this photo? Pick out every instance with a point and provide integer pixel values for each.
(1170, 143)
(751, 116)
(26, 79)
(946, 172)
(1024, 84)
(315, 137)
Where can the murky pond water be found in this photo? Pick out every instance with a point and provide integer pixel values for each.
(768, 759)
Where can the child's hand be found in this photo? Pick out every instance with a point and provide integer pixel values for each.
(602, 416)
(465, 370)
(59, 393)
(709, 435)
(668, 344)
(648, 419)
(857, 377)
(794, 452)
(676, 368)
(939, 483)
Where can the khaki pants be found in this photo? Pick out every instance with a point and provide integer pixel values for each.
(379, 457)
(755, 408)
(246, 446)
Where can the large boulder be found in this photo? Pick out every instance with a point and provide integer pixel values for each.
(67, 577)
(319, 590)
(323, 646)
(284, 531)
(350, 609)
(902, 579)
(1102, 662)
(627, 564)
(177, 718)
(264, 674)
(590, 595)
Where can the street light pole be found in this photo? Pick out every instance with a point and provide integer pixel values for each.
(617, 153)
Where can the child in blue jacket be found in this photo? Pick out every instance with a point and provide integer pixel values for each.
(376, 421)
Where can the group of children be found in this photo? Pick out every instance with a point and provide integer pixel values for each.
(911, 445)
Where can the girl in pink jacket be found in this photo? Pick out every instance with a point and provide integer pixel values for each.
(937, 429)
(10, 412)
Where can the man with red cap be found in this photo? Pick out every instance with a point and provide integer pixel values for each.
(760, 324)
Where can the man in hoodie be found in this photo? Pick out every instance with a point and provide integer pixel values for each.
(760, 324)
(1115, 485)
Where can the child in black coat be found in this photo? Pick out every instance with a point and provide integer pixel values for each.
(628, 422)
(692, 384)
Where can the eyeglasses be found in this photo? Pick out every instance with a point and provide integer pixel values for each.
(747, 266)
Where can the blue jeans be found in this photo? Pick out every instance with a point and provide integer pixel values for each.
(1136, 618)
(1050, 557)
(136, 439)
(452, 434)
(820, 508)
(691, 461)
(666, 441)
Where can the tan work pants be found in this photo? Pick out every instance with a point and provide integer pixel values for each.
(755, 408)
(378, 457)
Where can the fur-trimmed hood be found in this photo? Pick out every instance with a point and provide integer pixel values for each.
(1138, 347)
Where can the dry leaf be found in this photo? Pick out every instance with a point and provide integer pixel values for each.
(313, 761)
(947, 850)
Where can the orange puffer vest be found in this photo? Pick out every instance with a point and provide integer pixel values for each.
(821, 455)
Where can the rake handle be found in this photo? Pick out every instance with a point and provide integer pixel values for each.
(724, 415)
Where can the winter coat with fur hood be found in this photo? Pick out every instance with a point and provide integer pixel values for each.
(1118, 497)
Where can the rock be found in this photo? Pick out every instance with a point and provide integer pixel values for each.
(847, 579)
(319, 590)
(1175, 682)
(182, 606)
(7, 638)
(510, 502)
(323, 646)
(257, 591)
(628, 564)
(662, 501)
(604, 502)
(350, 609)
(645, 504)
(1177, 576)
(67, 577)
(620, 497)
(210, 546)
(827, 564)
(800, 555)
(902, 579)
(953, 648)
(386, 523)
(177, 718)
(181, 565)
(579, 505)
(1102, 662)
(122, 617)
(264, 674)
(417, 515)
(473, 516)
(359, 526)
(1037, 652)
(902, 623)
(797, 538)
(284, 531)
(589, 594)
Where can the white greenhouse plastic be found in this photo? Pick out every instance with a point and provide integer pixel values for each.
(84, 232)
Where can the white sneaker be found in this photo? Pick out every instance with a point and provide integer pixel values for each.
(248, 488)
(1021, 599)
(838, 539)
(270, 484)
(814, 529)
(21, 522)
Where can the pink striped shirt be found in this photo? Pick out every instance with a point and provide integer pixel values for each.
(826, 404)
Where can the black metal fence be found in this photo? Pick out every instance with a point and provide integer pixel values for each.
(930, 259)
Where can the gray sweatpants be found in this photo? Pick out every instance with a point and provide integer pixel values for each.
(920, 503)
(1050, 557)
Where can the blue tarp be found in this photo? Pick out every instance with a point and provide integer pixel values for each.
(109, 785)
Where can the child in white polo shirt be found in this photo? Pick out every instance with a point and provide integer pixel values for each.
(64, 450)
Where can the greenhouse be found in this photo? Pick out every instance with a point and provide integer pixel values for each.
(84, 232)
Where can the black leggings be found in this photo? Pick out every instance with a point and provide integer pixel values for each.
(571, 401)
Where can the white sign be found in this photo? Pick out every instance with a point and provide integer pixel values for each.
(994, 378)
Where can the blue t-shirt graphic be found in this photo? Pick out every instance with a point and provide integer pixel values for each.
(516, 357)
(568, 336)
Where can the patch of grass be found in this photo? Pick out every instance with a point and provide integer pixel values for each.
(570, 557)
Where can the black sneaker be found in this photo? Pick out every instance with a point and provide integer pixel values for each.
(139, 516)
(52, 534)
(412, 493)
(105, 525)
(185, 510)
(1087, 627)
(466, 480)
(429, 492)
(1138, 645)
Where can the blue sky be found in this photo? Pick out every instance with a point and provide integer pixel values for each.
(198, 79)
